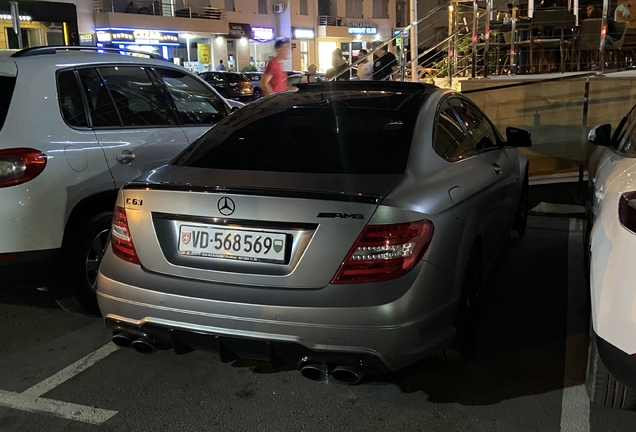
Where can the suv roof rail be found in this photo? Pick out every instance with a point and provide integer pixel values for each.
(43, 50)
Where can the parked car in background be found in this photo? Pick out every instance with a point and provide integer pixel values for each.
(611, 370)
(232, 85)
(102, 120)
(255, 78)
(282, 235)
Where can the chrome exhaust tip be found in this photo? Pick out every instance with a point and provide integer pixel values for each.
(123, 340)
(315, 371)
(143, 345)
(348, 374)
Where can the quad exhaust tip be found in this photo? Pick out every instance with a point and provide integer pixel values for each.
(144, 345)
(123, 340)
(344, 374)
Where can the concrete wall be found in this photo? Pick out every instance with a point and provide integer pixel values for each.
(553, 113)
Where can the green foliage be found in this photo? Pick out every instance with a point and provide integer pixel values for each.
(249, 68)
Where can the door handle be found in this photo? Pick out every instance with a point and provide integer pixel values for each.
(497, 168)
(126, 157)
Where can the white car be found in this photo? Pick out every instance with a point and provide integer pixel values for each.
(76, 125)
(611, 371)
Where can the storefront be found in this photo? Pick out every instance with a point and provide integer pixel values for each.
(261, 46)
(303, 47)
(160, 42)
(41, 23)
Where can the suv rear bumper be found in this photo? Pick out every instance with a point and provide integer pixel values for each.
(31, 269)
(620, 364)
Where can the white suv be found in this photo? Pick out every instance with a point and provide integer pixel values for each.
(75, 125)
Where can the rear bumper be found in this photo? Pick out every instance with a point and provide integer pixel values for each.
(619, 363)
(32, 269)
(379, 338)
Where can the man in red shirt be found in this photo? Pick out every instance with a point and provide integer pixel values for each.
(274, 79)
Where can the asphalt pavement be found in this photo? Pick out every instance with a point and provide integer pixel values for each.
(59, 372)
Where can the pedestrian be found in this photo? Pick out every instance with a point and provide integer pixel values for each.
(274, 78)
(220, 66)
(385, 63)
(310, 75)
(339, 70)
(365, 67)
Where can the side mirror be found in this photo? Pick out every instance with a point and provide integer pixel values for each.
(601, 135)
(516, 137)
(235, 108)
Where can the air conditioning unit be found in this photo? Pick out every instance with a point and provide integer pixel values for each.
(279, 8)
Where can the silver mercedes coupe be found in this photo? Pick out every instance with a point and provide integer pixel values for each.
(345, 229)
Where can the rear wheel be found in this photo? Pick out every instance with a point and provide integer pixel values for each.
(521, 216)
(602, 387)
(74, 290)
(467, 318)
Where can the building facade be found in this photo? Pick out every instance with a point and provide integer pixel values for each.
(200, 33)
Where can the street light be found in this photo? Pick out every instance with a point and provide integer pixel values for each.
(187, 37)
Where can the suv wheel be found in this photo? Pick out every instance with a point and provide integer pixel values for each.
(602, 387)
(75, 289)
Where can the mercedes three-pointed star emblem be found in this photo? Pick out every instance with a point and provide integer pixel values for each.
(226, 206)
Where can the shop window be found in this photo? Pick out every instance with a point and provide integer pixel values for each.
(304, 8)
(353, 9)
(229, 6)
(262, 7)
(380, 8)
(12, 38)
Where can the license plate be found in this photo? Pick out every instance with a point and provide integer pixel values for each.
(232, 243)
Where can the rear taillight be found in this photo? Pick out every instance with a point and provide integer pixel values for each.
(627, 210)
(384, 252)
(120, 237)
(19, 165)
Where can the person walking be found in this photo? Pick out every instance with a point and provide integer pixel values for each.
(365, 67)
(220, 66)
(338, 71)
(385, 63)
(274, 78)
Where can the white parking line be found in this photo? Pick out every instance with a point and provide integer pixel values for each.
(30, 400)
(575, 405)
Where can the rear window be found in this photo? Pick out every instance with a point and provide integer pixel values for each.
(236, 78)
(329, 139)
(7, 84)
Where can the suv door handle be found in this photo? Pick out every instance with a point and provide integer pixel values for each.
(497, 168)
(126, 157)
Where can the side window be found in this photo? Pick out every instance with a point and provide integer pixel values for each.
(195, 103)
(138, 100)
(100, 104)
(477, 124)
(628, 146)
(451, 142)
(70, 100)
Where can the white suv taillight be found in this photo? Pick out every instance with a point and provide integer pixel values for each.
(120, 237)
(19, 165)
(384, 252)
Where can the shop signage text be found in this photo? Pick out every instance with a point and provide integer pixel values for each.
(238, 30)
(87, 39)
(138, 36)
(303, 33)
(363, 30)
(262, 34)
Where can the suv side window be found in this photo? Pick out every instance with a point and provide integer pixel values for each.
(628, 146)
(451, 141)
(70, 100)
(138, 100)
(194, 101)
(477, 124)
(100, 104)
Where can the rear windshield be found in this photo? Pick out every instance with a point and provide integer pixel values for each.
(236, 78)
(329, 139)
(7, 85)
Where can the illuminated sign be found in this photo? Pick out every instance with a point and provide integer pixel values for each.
(303, 33)
(238, 30)
(8, 17)
(397, 31)
(87, 39)
(262, 34)
(138, 36)
(363, 30)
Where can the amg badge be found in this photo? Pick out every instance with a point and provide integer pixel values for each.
(341, 215)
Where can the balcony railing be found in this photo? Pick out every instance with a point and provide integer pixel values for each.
(326, 20)
(149, 7)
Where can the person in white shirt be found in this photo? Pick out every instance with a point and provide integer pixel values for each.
(365, 67)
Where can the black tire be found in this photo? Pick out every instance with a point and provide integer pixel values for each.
(521, 216)
(602, 388)
(467, 319)
(74, 289)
